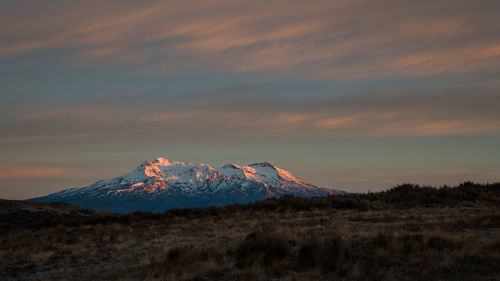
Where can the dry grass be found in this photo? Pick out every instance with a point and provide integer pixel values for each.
(369, 237)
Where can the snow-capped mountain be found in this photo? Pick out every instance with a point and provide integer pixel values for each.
(163, 184)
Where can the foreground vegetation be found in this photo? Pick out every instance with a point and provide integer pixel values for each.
(405, 233)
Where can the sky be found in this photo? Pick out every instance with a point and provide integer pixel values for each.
(356, 95)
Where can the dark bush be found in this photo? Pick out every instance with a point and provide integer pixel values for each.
(263, 248)
(326, 253)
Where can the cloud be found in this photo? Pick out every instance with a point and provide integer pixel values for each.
(332, 122)
(319, 39)
(450, 111)
(12, 171)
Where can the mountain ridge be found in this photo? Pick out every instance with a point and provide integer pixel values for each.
(163, 184)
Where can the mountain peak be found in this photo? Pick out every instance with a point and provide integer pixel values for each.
(162, 161)
(263, 164)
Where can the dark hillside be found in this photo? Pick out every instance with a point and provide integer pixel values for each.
(24, 213)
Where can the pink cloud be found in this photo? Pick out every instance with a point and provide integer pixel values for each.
(446, 112)
(335, 122)
(12, 171)
(317, 40)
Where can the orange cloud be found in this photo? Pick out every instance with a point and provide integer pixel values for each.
(371, 123)
(10, 171)
(323, 39)
(445, 112)
(335, 122)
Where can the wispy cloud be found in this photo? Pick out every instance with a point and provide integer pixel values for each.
(392, 113)
(333, 122)
(323, 39)
(11, 171)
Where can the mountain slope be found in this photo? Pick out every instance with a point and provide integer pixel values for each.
(164, 184)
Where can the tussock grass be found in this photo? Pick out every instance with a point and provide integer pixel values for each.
(406, 233)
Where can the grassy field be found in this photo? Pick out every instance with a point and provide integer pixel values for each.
(405, 233)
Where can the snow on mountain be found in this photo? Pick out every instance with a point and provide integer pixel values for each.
(164, 184)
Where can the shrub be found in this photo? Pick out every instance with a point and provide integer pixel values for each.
(262, 248)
